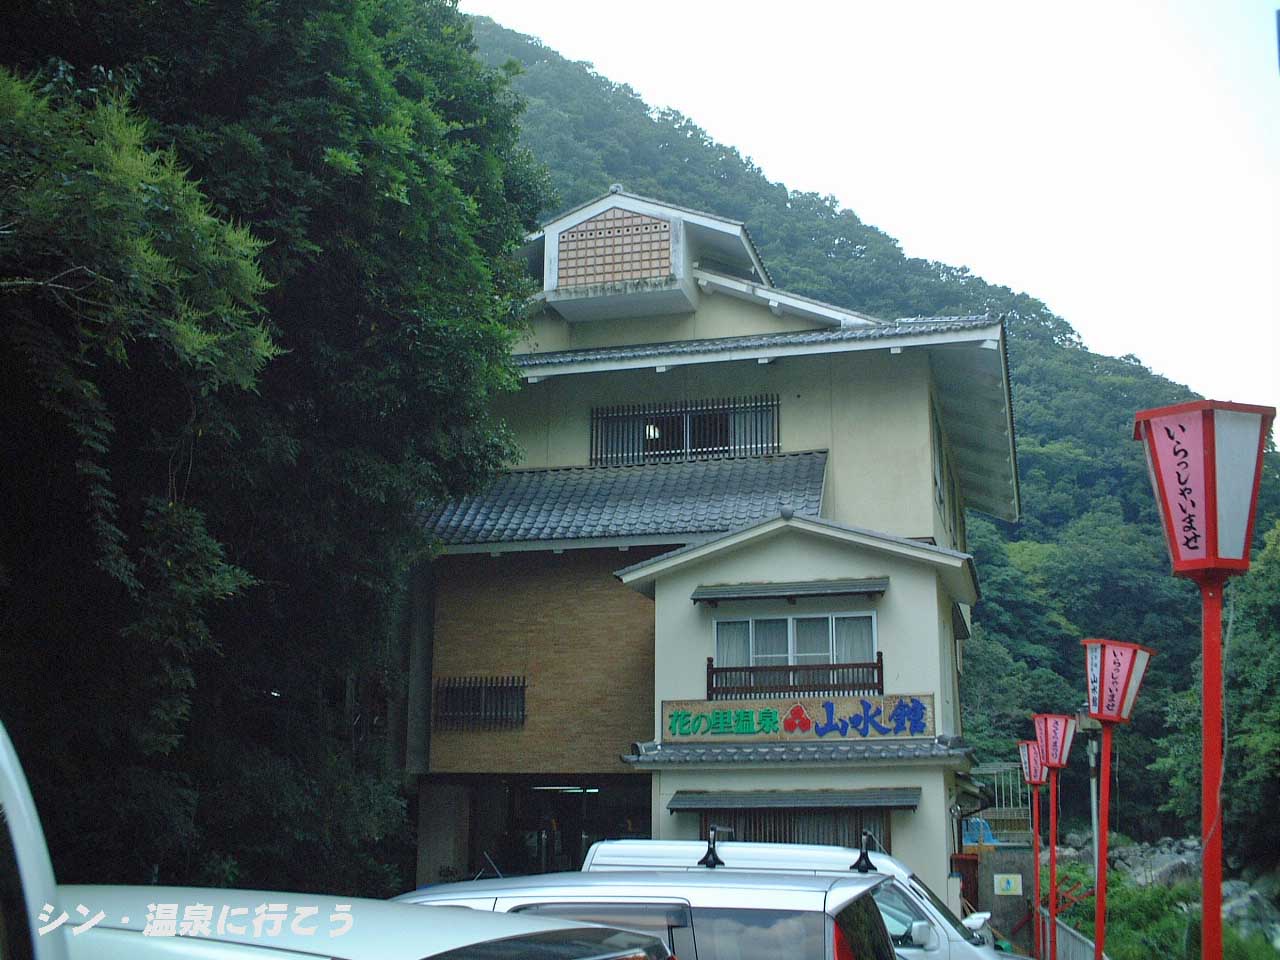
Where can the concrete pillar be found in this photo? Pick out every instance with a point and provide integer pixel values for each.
(444, 831)
(418, 705)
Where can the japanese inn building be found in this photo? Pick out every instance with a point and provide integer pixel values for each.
(726, 583)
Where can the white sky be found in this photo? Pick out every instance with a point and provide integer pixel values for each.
(1119, 160)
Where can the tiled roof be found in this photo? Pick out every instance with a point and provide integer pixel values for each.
(652, 499)
(893, 797)
(895, 328)
(840, 751)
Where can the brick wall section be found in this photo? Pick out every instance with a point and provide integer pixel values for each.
(583, 640)
(614, 246)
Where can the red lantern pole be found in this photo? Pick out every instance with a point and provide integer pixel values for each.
(1211, 770)
(1054, 733)
(1033, 772)
(1035, 854)
(1104, 806)
(1113, 676)
(1205, 460)
(1053, 863)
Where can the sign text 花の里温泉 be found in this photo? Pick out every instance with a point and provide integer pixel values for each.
(806, 718)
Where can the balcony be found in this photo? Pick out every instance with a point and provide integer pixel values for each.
(816, 680)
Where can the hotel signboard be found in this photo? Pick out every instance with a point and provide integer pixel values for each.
(896, 717)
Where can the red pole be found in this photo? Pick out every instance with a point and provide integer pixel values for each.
(1104, 803)
(1053, 863)
(1035, 854)
(1211, 771)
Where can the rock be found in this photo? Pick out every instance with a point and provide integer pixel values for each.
(1078, 839)
(1233, 888)
(1174, 868)
(1065, 855)
(1250, 912)
(1161, 865)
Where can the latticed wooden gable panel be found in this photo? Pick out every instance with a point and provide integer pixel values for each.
(614, 246)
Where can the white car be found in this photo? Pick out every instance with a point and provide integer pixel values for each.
(919, 921)
(702, 915)
(40, 921)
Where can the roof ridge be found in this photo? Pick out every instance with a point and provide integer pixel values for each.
(833, 334)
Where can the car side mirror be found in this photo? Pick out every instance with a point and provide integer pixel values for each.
(921, 933)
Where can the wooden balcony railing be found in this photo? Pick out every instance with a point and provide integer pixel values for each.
(819, 679)
(478, 703)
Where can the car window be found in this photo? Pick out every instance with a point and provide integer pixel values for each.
(898, 913)
(15, 932)
(940, 905)
(669, 922)
(575, 944)
(737, 934)
(864, 930)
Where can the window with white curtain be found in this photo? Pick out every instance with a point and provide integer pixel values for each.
(775, 641)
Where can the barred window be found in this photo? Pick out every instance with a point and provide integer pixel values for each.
(486, 703)
(735, 427)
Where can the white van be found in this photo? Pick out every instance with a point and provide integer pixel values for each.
(725, 915)
(904, 902)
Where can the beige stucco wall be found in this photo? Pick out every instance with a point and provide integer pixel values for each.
(868, 410)
(906, 614)
(921, 838)
(717, 315)
(947, 711)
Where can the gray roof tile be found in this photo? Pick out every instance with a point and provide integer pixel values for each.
(893, 797)
(652, 499)
(895, 328)
(841, 751)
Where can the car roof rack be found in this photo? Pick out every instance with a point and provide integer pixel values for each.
(711, 859)
(863, 864)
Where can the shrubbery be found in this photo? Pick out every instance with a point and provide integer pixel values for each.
(1153, 921)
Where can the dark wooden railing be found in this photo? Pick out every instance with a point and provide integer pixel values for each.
(478, 703)
(727, 427)
(820, 679)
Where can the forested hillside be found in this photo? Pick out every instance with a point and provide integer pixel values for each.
(1087, 559)
(255, 296)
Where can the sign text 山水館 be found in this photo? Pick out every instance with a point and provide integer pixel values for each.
(807, 718)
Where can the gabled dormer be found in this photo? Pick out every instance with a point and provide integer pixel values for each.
(622, 256)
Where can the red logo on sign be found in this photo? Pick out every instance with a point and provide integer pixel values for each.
(797, 719)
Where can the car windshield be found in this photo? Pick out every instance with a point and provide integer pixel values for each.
(940, 905)
(582, 943)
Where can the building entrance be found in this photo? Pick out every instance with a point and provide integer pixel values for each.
(527, 825)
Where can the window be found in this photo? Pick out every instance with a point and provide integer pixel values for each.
(727, 933)
(15, 934)
(864, 930)
(898, 912)
(486, 703)
(782, 641)
(669, 922)
(701, 429)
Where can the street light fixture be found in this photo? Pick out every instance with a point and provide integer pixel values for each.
(1113, 673)
(1205, 461)
(1034, 774)
(1054, 733)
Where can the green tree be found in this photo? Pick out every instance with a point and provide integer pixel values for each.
(379, 161)
(131, 320)
(1252, 744)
